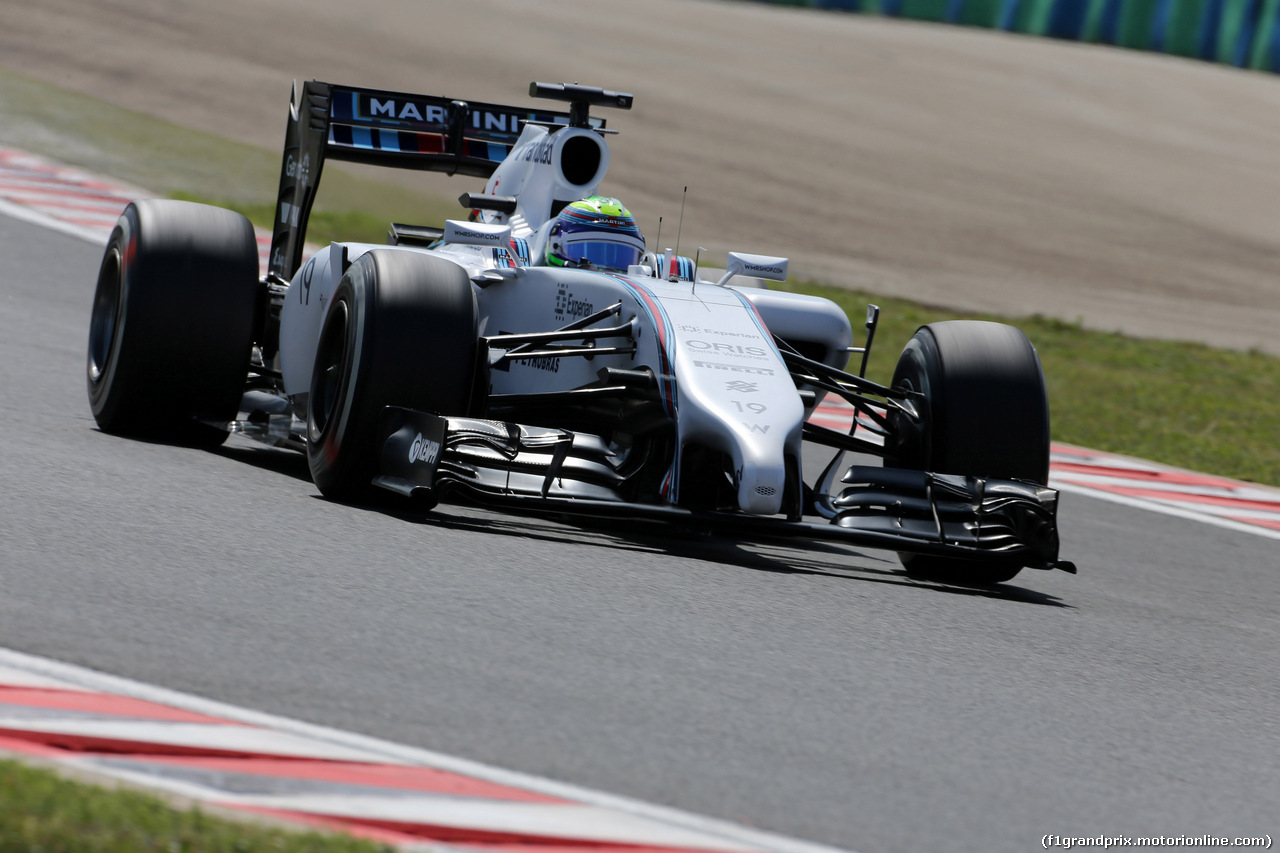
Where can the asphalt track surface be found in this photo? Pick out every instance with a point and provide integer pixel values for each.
(816, 693)
(958, 167)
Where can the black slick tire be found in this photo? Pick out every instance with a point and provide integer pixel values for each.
(401, 330)
(984, 413)
(173, 322)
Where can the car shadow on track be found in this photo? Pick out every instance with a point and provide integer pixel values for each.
(287, 462)
(819, 558)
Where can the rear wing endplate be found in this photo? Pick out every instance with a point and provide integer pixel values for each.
(384, 128)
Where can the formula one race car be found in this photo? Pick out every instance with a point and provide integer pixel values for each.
(537, 354)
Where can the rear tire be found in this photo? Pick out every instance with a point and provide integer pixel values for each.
(401, 330)
(173, 322)
(985, 413)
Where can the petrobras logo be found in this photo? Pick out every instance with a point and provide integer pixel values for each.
(551, 364)
(424, 450)
(537, 152)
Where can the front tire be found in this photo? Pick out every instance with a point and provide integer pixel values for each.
(173, 322)
(984, 413)
(401, 330)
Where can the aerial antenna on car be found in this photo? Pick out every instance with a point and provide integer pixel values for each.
(581, 99)
(673, 262)
(657, 241)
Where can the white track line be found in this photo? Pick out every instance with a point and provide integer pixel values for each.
(1175, 511)
(70, 201)
(35, 217)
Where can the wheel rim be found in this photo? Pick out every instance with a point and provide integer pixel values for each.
(105, 317)
(909, 433)
(326, 383)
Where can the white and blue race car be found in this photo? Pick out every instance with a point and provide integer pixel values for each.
(536, 354)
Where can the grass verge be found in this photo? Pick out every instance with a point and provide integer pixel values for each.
(41, 811)
(325, 224)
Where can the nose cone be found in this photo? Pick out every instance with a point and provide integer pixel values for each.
(734, 392)
(760, 487)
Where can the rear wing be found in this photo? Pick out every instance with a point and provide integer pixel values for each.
(384, 129)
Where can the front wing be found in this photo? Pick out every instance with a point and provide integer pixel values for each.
(538, 469)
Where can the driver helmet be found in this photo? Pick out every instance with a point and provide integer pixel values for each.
(596, 232)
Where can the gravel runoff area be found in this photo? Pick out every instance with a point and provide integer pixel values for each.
(959, 167)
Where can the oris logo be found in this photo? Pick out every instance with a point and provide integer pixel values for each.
(423, 450)
(727, 349)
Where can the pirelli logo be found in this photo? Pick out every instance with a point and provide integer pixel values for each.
(735, 368)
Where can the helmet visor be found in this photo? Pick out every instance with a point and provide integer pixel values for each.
(605, 254)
